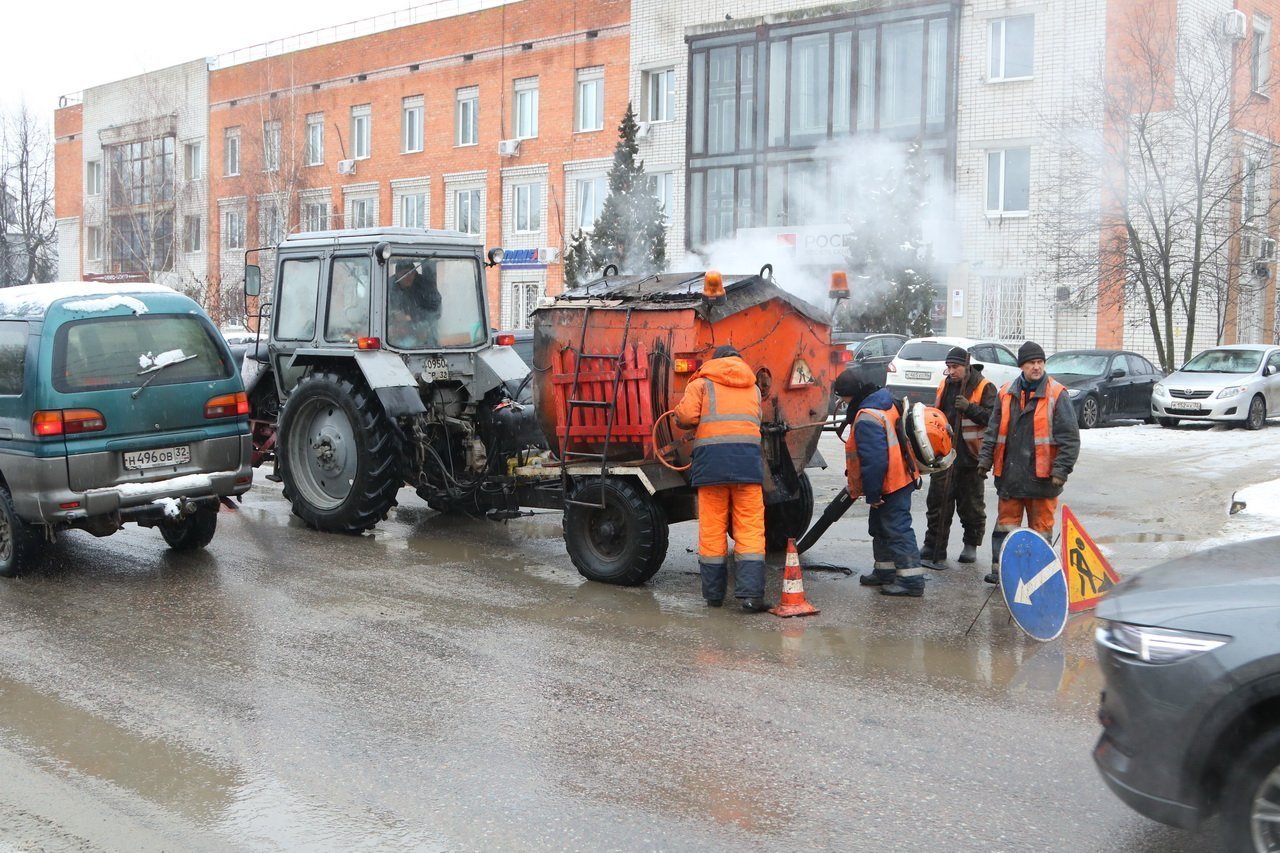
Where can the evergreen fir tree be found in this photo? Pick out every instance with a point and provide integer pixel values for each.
(577, 259)
(631, 230)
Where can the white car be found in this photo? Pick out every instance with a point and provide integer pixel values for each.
(1238, 383)
(917, 369)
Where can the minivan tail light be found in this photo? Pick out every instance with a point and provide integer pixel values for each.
(227, 405)
(67, 421)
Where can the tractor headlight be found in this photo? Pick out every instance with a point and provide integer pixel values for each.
(1155, 645)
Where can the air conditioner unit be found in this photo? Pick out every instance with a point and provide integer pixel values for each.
(1234, 25)
(508, 147)
(643, 129)
(346, 167)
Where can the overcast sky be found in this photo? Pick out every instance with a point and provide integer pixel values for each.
(52, 49)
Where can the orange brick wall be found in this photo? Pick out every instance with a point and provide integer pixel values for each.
(68, 135)
(561, 38)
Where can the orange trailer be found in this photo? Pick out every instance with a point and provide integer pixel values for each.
(611, 357)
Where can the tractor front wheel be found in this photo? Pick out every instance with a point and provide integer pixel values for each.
(615, 532)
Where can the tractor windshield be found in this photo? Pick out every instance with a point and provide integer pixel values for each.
(434, 303)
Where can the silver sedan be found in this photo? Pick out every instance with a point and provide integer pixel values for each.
(1238, 383)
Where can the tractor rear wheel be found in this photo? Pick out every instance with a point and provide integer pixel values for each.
(623, 542)
(790, 519)
(339, 454)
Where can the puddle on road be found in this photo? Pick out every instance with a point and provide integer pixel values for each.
(1142, 536)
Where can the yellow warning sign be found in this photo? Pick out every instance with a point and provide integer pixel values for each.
(1089, 575)
(801, 374)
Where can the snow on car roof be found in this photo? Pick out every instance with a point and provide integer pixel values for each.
(33, 300)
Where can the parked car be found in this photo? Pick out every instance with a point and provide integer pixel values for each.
(1234, 384)
(1190, 709)
(118, 404)
(873, 352)
(1105, 384)
(917, 368)
(239, 340)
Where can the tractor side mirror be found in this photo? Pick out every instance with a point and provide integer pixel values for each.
(252, 280)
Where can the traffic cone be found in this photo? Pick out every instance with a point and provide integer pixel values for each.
(793, 602)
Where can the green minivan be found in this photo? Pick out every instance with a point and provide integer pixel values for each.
(117, 403)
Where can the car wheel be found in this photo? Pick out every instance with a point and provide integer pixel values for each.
(191, 532)
(622, 542)
(1257, 417)
(1168, 422)
(340, 454)
(1251, 797)
(1090, 414)
(20, 543)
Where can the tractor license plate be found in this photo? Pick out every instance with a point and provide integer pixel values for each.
(1183, 405)
(161, 457)
(919, 374)
(435, 369)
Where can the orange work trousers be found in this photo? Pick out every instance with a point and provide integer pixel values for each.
(1039, 512)
(716, 504)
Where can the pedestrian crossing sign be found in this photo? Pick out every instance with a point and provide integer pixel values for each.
(1089, 575)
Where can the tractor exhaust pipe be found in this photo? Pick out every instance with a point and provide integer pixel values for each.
(838, 507)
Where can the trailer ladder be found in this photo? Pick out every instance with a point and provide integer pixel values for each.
(574, 402)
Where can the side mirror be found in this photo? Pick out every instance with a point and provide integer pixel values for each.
(1117, 373)
(252, 280)
(1268, 370)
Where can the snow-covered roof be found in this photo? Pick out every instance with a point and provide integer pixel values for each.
(33, 300)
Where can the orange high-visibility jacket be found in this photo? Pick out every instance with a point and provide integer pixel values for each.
(898, 475)
(1042, 427)
(723, 402)
(970, 433)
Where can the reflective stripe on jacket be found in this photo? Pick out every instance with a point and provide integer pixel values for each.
(1042, 426)
(897, 475)
(723, 402)
(971, 433)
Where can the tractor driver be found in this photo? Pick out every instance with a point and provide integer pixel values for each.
(413, 305)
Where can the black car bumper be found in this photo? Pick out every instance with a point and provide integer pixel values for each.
(1117, 771)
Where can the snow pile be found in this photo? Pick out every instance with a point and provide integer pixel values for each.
(186, 484)
(148, 362)
(171, 507)
(106, 303)
(33, 300)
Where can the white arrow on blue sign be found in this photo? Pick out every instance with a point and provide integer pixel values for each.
(1033, 584)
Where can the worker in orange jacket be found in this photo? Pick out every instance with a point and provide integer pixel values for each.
(723, 403)
(1031, 446)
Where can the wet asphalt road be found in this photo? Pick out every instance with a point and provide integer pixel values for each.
(453, 684)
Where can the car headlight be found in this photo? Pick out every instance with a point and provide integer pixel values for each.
(1231, 391)
(1073, 393)
(1155, 645)
(1158, 389)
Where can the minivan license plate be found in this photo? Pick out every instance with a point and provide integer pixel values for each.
(161, 457)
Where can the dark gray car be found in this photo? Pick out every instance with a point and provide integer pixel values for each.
(1190, 654)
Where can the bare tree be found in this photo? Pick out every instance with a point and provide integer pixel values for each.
(28, 230)
(1153, 203)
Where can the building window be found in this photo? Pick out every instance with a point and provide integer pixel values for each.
(272, 223)
(526, 108)
(232, 152)
(233, 229)
(662, 185)
(467, 115)
(142, 242)
(93, 243)
(141, 172)
(590, 105)
(1252, 196)
(660, 95)
(810, 84)
(411, 125)
(413, 210)
(1003, 312)
(271, 146)
(1260, 61)
(1009, 181)
(361, 125)
(1012, 48)
(468, 211)
(93, 177)
(315, 139)
(315, 216)
(591, 196)
(192, 238)
(362, 213)
(193, 161)
(524, 297)
(528, 207)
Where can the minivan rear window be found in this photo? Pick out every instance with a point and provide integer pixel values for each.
(924, 351)
(123, 352)
(13, 355)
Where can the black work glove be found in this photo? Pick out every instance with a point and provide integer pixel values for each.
(962, 403)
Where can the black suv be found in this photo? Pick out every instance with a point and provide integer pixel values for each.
(1190, 654)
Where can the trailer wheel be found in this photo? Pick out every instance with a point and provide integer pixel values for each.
(623, 543)
(339, 454)
(790, 519)
(193, 531)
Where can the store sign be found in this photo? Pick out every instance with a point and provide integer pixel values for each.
(117, 277)
(529, 259)
(817, 245)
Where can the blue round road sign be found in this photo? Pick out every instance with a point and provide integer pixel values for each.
(1033, 584)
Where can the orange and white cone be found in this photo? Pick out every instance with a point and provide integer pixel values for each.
(793, 602)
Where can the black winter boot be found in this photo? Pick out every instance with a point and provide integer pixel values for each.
(993, 576)
(968, 555)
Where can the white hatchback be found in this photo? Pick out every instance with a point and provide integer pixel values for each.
(917, 369)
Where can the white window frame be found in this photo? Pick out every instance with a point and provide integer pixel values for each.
(271, 146)
(523, 296)
(362, 212)
(1260, 54)
(192, 234)
(660, 95)
(589, 194)
(315, 214)
(93, 243)
(233, 228)
(525, 108)
(997, 169)
(231, 154)
(93, 177)
(1003, 309)
(526, 207)
(413, 210)
(998, 49)
(589, 106)
(466, 117)
(193, 160)
(663, 186)
(411, 113)
(361, 131)
(475, 209)
(315, 139)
